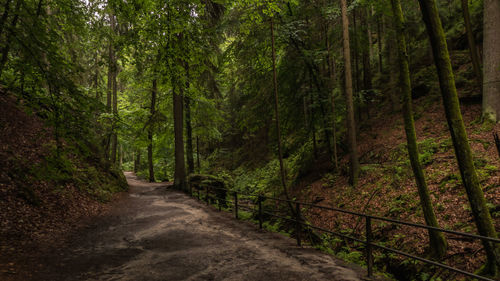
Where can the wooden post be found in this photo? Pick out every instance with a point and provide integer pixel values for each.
(260, 212)
(369, 254)
(298, 225)
(236, 205)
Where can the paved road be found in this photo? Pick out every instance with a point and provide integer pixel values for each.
(159, 234)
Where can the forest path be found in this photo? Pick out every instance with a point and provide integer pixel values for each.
(155, 233)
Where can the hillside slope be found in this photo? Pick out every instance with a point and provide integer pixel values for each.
(44, 195)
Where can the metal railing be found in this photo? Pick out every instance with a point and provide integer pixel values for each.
(300, 223)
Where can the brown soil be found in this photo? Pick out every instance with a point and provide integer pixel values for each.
(154, 233)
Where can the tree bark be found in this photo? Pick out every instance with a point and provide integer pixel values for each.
(152, 111)
(189, 128)
(438, 244)
(379, 43)
(367, 67)
(331, 72)
(137, 162)
(463, 152)
(474, 52)
(115, 98)
(491, 56)
(277, 119)
(351, 125)
(180, 165)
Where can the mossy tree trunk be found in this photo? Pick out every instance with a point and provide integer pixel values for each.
(456, 125)
(438, 244)
(351, 124)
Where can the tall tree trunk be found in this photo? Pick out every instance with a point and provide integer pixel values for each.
(331, 72)
(438, 244)
(463, 152)
(189, 135)
(379, 43)
(189, 128)
(367, 67)
(491, 56)
(277, 120)
(351, 125)
(474, 52)
(357, 86)
(312, 124)
(152, 112)
(109, 92)
(180, 165)
(114, 142)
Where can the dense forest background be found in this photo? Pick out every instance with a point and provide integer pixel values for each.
(380, 107)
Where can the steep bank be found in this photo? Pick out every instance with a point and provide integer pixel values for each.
(43, 195)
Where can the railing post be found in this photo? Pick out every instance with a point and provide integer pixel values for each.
(369, 250)
(260, 211)
(206, 194)
(298, 225)
(236, 205)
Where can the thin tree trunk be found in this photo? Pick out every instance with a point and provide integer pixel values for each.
(463, 152)
(277, 121)
(351, 125)
(438, 244)
(367, 68)
(137, 166)
(491, 57)
(152, 112)
(312, 124)
(331, 72)
(114, 142)
(379, 43)
(357, 86)
(198, 154)
(474, 52)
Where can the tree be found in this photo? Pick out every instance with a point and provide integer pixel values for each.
(351, 125)
(437, 240)
(491, 57)
(152, 112)
(474, 52)
(277, 118)
(463, 152)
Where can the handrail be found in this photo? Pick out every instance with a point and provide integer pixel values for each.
(368, 219)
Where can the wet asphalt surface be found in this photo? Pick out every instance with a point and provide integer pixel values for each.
(155, 233)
